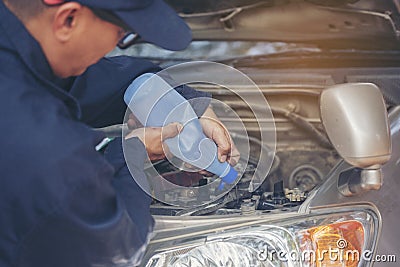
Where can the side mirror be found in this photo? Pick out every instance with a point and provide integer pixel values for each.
(355, 118)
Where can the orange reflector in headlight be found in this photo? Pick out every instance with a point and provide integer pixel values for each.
(337, 244)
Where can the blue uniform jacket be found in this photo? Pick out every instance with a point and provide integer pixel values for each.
(62, 203)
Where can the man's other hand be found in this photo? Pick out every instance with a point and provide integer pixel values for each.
(153, 137)
(215, 130)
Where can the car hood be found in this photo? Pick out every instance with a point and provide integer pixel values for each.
(343, 24)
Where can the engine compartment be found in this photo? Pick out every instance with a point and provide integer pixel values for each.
(303, 154)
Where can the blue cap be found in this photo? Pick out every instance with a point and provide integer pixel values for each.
(231, 176)
(153, 20)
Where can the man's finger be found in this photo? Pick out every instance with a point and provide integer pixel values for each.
(206, 173)
(171, 130)
(133, 122)
(234, 156)
(224, 145)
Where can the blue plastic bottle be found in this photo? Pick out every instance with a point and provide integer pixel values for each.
(155, 103)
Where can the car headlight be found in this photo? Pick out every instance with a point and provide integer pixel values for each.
(343, 236)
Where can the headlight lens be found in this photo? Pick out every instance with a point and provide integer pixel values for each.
(337, 243)
(324, 239)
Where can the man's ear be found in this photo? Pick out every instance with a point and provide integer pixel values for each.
(66, 20)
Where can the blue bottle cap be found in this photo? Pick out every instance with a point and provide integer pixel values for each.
(231, 176)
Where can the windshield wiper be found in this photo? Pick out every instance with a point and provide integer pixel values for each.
(319, 58)
(269, 56)
(230, 12)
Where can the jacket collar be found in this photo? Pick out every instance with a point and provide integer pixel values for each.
(32, 55)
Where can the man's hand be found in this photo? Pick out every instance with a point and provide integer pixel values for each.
(215, 130)
(212, 127)
(153, 138)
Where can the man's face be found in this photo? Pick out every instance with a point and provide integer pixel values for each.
(93, 38)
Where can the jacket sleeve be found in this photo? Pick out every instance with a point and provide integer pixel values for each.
(100, 90)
